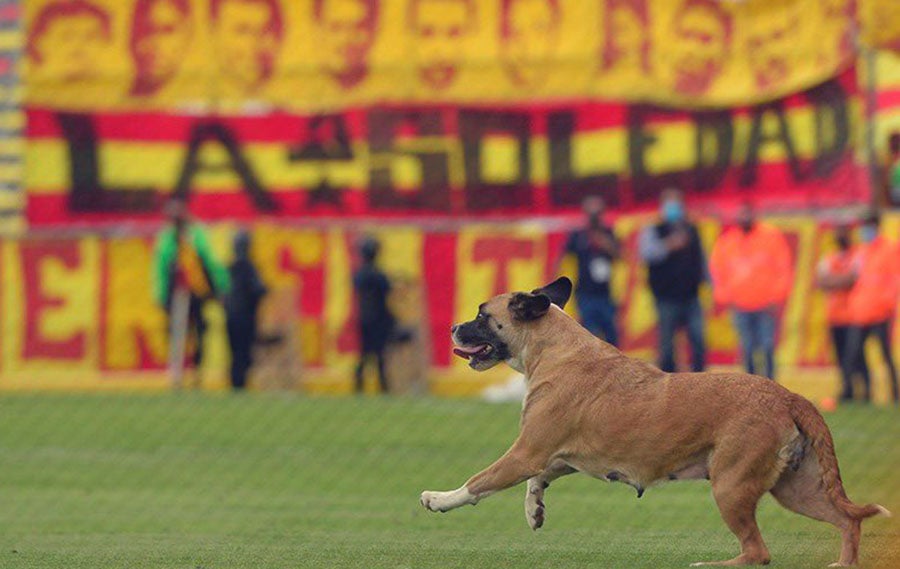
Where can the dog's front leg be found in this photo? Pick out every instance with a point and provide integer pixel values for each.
(514, 467)
(534, 495)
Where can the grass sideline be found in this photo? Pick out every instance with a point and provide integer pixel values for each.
(217, 481)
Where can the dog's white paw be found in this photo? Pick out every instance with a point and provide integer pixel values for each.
(534, 507)
(437, 501)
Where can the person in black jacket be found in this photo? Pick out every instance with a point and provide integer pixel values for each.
(376, 323)
(676, 268)
(241, 306)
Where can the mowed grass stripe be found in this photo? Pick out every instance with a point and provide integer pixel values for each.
(214, 481)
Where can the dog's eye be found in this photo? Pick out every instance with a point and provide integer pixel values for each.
(481, 315)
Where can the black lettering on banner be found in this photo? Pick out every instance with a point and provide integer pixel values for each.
(87, 194)
(204, 132)
(713, 145)
(647, 187)
(483, 195)
(832, 123)
(386, 129)
(329, 142)
(758, 138)
(566, 187)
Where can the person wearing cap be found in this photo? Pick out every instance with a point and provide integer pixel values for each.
(835, 274)
(752, 274)
(376, 323)
(241, 307)
(186, 274)
(676, 268)
(595, 247)
(872, 300)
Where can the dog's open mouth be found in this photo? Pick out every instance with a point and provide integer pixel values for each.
(470, 352)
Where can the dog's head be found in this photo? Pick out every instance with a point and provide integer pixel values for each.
(498, 331)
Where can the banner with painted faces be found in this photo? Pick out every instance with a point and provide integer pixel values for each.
(326, 55)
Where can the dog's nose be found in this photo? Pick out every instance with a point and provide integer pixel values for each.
(453, 328)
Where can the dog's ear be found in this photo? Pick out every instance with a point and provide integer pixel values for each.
(526, 307)
(558, 291)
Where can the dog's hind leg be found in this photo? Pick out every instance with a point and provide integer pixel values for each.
(534, 495)
(801, 491)
(739, 479)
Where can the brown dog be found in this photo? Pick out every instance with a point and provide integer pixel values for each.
(591, 409)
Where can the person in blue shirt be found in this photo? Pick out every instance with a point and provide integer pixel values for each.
(596, 248)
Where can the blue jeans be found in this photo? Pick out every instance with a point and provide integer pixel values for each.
(757, 331)
(598, 315)
(675, 314)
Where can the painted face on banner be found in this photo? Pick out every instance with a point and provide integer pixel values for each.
(703, 31)
(248, 39)
(160, 35)
(530, 33)
(626, 38)
(346, 32)
(768, 53)
(440, 28)
(68, 39)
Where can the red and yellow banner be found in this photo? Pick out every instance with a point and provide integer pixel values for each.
(328, 55)
(77, 312)
(539, 159)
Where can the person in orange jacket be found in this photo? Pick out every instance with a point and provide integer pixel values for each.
(836, 274)
(872, 300)
(752, 274)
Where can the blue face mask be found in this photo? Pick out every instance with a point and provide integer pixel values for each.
(868, 233)
(673, 211)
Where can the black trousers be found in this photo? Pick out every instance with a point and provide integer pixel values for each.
(858, 367)
(374, 336)
(241, 337)
(854, 353)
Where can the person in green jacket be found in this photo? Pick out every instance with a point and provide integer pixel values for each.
(184, 267)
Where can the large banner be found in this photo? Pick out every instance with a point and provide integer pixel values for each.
(77, 312)
(329, 55)
(539, 159)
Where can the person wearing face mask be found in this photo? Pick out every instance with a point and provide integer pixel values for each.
(676, 268)
(595, 248)
(836, 274)
(752, 273)
(872, 300)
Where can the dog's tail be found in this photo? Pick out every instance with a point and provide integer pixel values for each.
(812, 425)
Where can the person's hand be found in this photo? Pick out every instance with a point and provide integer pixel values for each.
(679, 239)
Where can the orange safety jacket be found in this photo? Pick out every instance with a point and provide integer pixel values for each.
(841, 263)
(751, 270)
(874, 295)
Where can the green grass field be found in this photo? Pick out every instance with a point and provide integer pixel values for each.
(214, 481)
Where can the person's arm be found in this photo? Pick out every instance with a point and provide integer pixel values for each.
(718, 270)
(217, 271)
(651, 248)
(612, 244)
(783, 267)
(162, 267)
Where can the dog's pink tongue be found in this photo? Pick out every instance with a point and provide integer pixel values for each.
(465, 352)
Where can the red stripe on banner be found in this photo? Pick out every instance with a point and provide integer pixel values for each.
(888, 99)
(439, 257)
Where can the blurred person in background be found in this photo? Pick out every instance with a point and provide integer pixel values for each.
(676, 269)
(752, 274)
(595, 247)
(376, 323)
(186, 274)
(872, 299)
(241, 307)
(835, 275)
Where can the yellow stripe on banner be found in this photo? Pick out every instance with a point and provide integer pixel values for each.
(11, 146)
